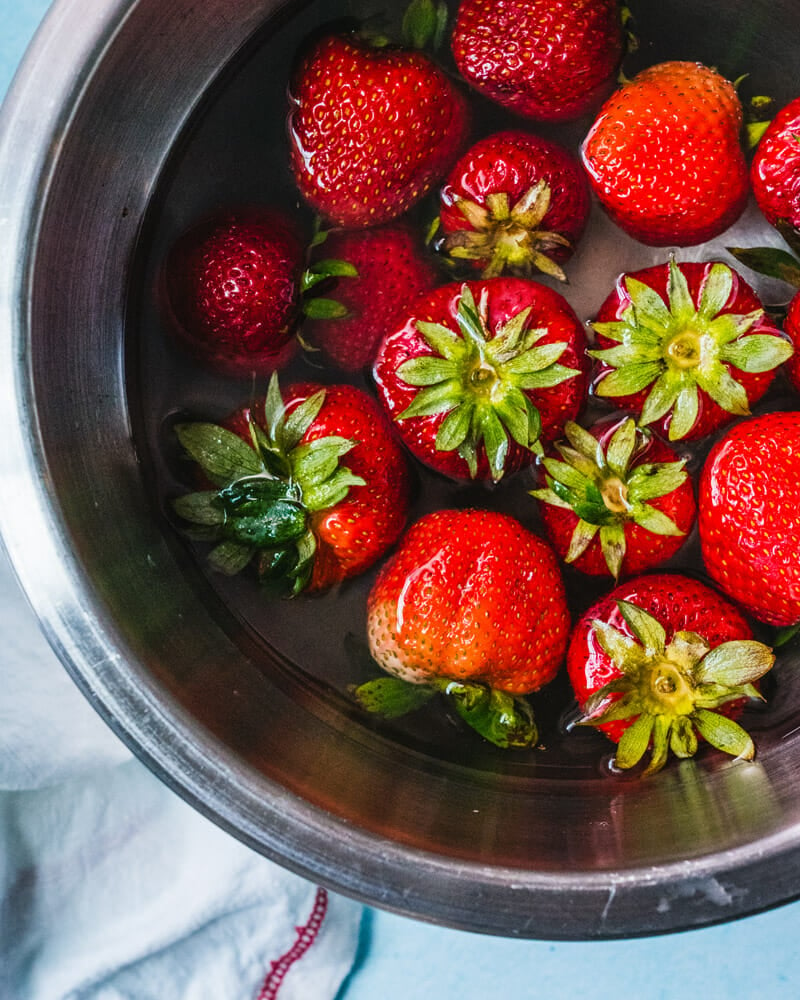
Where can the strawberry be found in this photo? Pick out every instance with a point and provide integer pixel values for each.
(233, 290)
(775, 172)
(664, 156)
(777, 263)
(471, 605)
(687, 346)
(749, 517)
(371, 129)
(515, 204)
(550, 60)
(284, 496)
(388, 271)
(616, 499)
(652, 662)
(474, 374)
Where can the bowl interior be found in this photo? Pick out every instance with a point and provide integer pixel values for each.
(242, 703)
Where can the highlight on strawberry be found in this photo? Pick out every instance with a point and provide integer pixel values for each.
(616, 499)
(471, 606)
(663, 662)
(514, 204)
(476, 375)
(688, 347)
(750, 519)
(314, 488)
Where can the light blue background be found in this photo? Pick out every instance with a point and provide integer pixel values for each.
(399, 959)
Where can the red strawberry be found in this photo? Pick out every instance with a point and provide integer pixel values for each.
(515, 204)
(475, 373)
(616, 500)
(687, 346)
(546, 59)
(233, 288)
(775, 171)
(284, 495)
(389, 270)
(473, 605)
(750, 519)
(371, 129)
(792, 328)
(652, 661)
(664, 155)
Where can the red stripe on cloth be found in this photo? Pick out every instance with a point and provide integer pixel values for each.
(306, 936)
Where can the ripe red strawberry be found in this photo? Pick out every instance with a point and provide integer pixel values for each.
(652, 661)
(546, 59)
(664, 155)
(750, 519)
(687, 346)
(284, 494)
(389, 270)
(472, 605)
(475, 373)
(514, 204)
(792, 328)
(617, 500)
(371, 129)
(233, 289)
(775, 172)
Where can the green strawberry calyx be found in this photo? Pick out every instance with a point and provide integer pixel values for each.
(605, 488)
(675, 348)
(503, 719)
(507, 238)
(480, 382)
(267, 491)
(669, 692)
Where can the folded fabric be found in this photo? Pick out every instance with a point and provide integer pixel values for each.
(113, 888)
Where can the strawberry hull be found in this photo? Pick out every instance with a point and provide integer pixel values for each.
(505, 298)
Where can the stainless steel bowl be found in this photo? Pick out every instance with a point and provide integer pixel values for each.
(263, 748)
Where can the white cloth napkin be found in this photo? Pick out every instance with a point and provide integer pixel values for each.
(111, 887)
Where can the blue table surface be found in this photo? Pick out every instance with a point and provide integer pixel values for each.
(758, 957)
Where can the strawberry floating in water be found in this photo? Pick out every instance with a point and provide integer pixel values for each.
(315, 489)
(664, 155)
(616, 500)
(662, 660)
(233, 290)
(688, 347)
(475, 374)
(514, 204)
(372, 129)
(388, 269)
(472, 606)
(750, 518)
(550, 60)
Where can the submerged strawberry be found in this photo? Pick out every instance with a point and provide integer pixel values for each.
(775, 172)
(371, 129)
(233, 289)
(750, 519)
(515, 204)
(686, 346)
(475, 374)
(550, 60)
(617, 500)
(470, 605)
(315, 489)
(653, 662)
(664, 155)
(388, 271)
